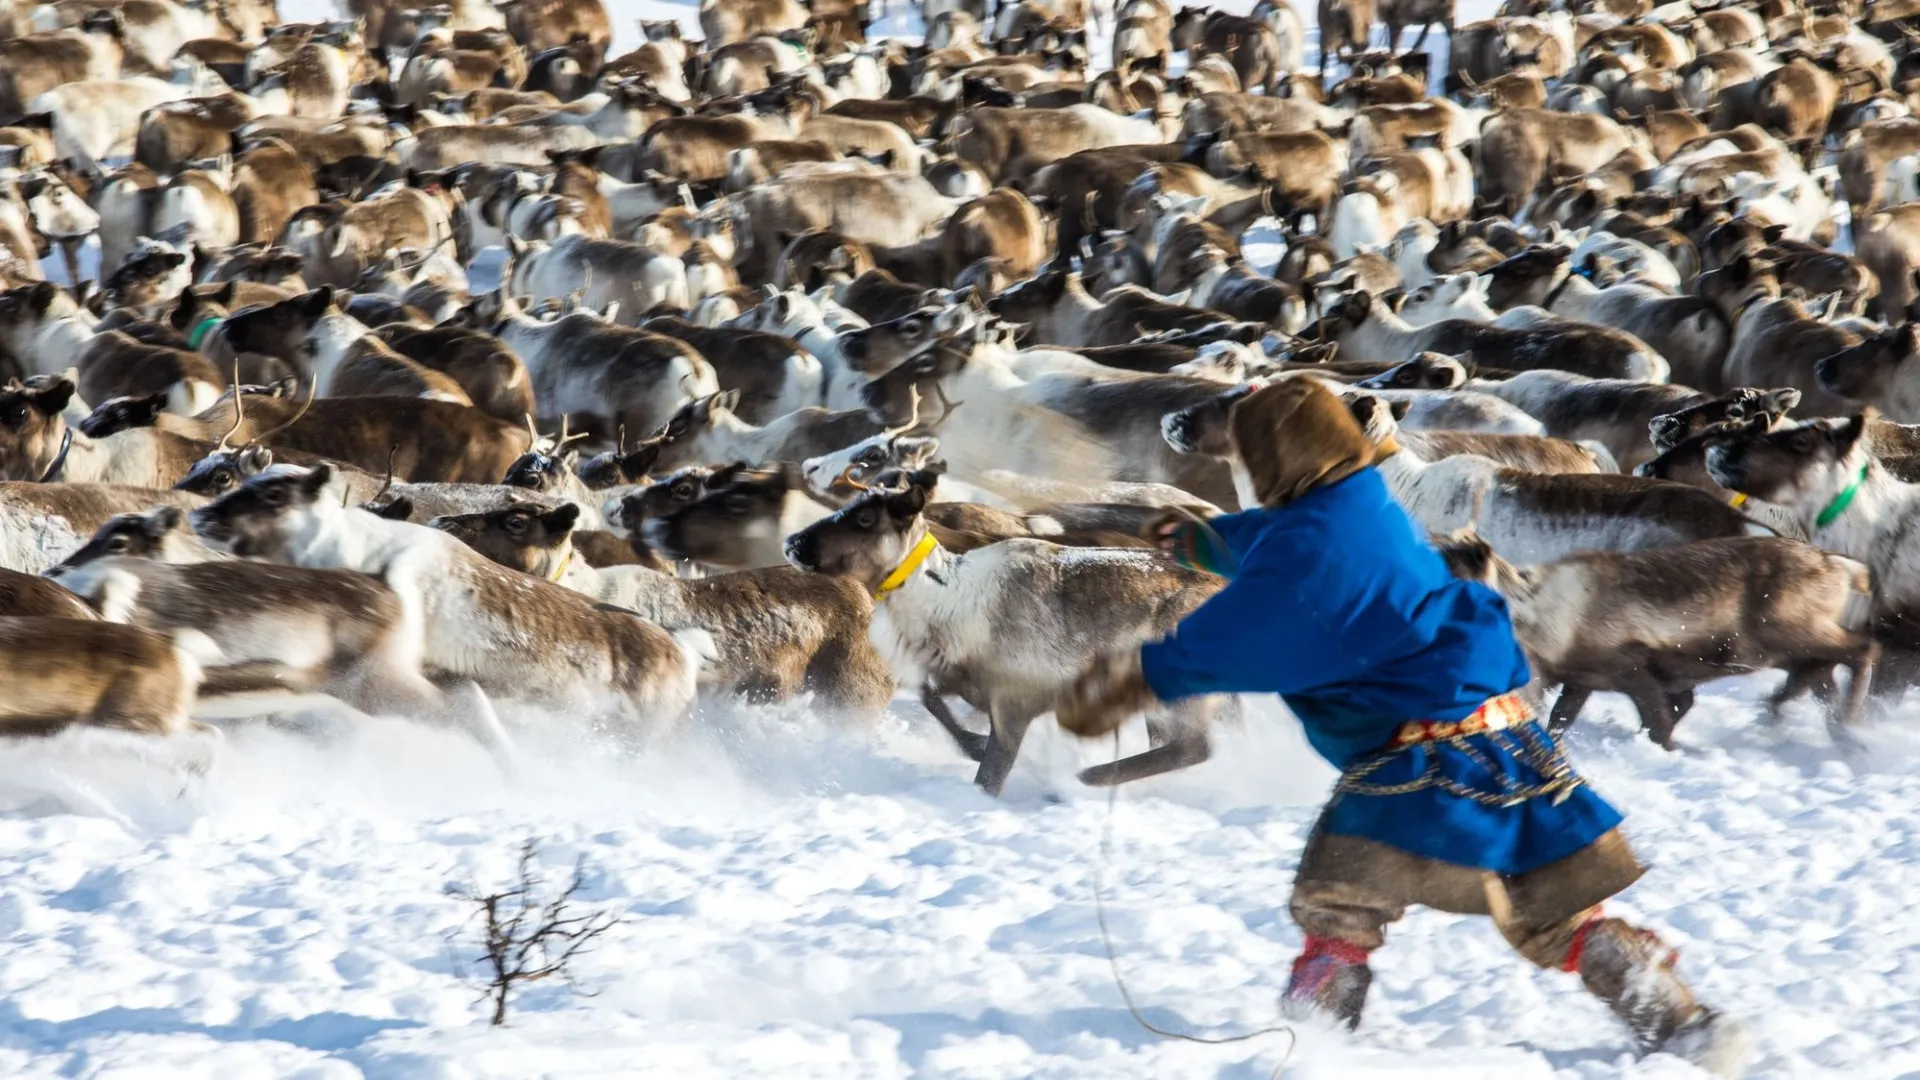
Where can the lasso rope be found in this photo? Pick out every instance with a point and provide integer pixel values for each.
(1113, 960)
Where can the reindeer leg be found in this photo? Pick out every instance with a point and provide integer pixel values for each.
(1656, 710)
(971, 743)
(1566, 708)
(1182, 741)
(1010, 725)
(1861, 681)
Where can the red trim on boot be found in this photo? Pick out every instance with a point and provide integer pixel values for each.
(1344, 951)
(1579, 943)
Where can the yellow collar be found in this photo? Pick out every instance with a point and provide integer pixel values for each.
(1738, 501)
(562, 568)
(907, 566)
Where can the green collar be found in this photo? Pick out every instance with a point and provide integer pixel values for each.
(200, 331)
(1843, 500)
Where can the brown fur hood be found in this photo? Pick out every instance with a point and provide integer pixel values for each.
(1296, 435)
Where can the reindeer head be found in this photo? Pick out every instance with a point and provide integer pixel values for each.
(28, 309)
(156, 534)
(878, 349)
(1470, 558)
(223, 470)
(1379, 418)
(1340, 315)
(847, 472)
(33, 429)
(737, 517)
(257, 519)
(662, 498)
(1527, 277)
(868, 537)
(1202, 428)
(1872, 370)
(155, 272)
(57, 212)
(280, 330)
(119, 414)
(619, 467)
(1033, 298)
(1739, 404)
(1802, 464)
(531, 537)
(1427, 371)
(678, 439)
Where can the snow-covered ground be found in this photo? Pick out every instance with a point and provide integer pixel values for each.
(801, 900)
(804, 901)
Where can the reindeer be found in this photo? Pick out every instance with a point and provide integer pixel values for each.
(1057, 307)
(37, 442)
(413, 439)
(706, 430)
(1654, 624)
(776, 632)
(1530, 517)
(337, 632)
(516, 636)
(882, 541)
(65, 674)
(1367, 329)
(1826, 475)
(40, 523)
(343, 357)
(739, 520)
(42, 323)
(1686, 331)
(581, 364)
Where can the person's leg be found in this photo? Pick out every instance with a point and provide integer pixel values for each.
(1346, 893)
(1628, 968)
(1344, 923)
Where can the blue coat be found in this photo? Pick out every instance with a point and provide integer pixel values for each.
(1341, 606)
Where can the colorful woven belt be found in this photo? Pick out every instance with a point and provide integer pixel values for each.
(1498, 713)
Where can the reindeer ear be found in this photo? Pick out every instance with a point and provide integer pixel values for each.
(42, 296)
(1781, 401)
(908, 503)
(316, 480)
(640, 460)
(1847, 432)
(163, 521)
(53, 400)
(728, 400)
(1399, 409)
(255, 459)
(398, 508)
(562, 518)
(315, 304)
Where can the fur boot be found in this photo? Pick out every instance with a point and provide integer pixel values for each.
(1632, 971)
(1330, 978)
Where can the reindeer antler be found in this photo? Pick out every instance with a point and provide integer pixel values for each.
(912, 420)
(238, 415)
(847, 479)
(277, 429)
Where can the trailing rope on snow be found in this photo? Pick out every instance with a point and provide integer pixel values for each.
(1113, 959)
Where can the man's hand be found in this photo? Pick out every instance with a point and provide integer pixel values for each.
(1106, 694)
(1190, 543)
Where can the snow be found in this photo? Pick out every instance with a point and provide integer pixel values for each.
(803, 900)
(799, 899)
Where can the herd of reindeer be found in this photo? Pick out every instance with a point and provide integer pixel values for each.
(809, 364)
